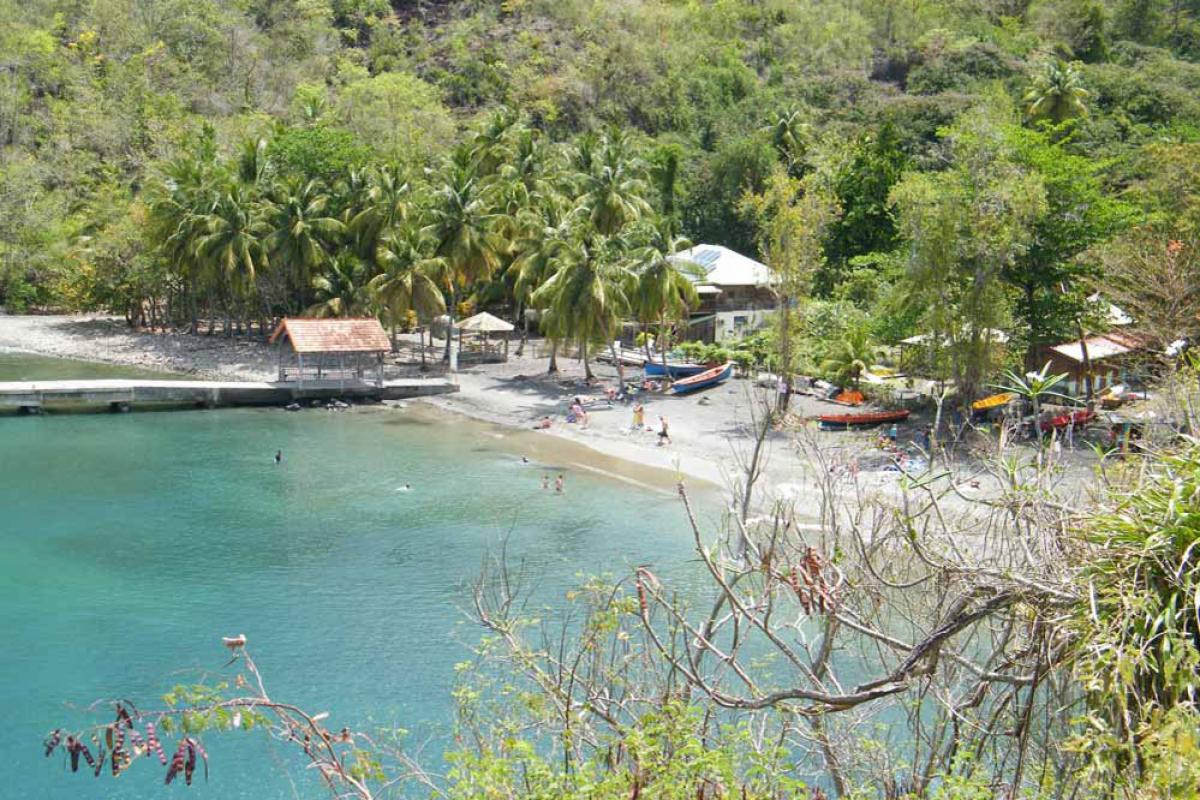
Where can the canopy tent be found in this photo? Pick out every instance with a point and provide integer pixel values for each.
(481, 348)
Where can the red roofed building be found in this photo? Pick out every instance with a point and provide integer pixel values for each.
(331, 349)
(1114, 357)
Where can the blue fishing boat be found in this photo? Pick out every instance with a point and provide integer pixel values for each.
(704, 380)
(654, 369)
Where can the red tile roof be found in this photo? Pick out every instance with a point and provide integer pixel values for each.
(334, 335)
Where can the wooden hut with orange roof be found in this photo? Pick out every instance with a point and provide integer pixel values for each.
(325, 350)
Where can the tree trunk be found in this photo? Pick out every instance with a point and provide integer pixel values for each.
(664, 346)
(1087, 364)
(620, 365)
(785, 352)
(522, 313)
(450, 309)
(587, 367)
(553, 368)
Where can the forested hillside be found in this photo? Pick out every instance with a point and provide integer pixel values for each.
(973, 159)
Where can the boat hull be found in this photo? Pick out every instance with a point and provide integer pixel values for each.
(841, 422)
(1064, 420)
(654, 369)
(704, 380)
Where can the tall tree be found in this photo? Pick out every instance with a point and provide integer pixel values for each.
(665, 290)
(232, 247)
(462, 228)
(589, 293)
(964, 227)
(792, 216)
(302, 234)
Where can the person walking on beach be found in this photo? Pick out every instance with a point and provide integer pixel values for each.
(639, 417)
(664, 432)
(893, 433)
(558, 484)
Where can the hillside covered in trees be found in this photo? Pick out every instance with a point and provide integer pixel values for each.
(967, 161)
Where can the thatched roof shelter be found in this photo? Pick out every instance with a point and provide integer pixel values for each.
(482, 349)
(483, 322)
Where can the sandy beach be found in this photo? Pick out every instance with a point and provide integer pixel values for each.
(712, 432)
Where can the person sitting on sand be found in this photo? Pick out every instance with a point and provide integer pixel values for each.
(664, 433)
(543, 424)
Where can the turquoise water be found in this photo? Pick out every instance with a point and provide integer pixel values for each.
(132, 543)
(23, 367)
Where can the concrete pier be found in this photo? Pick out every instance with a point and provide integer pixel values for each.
(123, 395)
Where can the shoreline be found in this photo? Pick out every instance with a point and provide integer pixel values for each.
(712, 432)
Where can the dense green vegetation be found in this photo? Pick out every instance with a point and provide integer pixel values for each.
(980, 162)
(942, 167)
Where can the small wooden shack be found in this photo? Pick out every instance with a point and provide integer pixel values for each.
(331, 350)
(1115, 357)
(481, 348)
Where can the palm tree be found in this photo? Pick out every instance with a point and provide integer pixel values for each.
(490, 146)
(410, 280)
(543, 237)
(613, 188)
(851, 357)
(231, 245)
(252, 161)
(588, 294)
(1057, 93)
(178, 207)
(666, 290)
(302, 233)
(385, 204)
(789, 136)
(462, 232)
(343, 290)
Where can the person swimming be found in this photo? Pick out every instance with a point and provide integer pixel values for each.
(405, 488)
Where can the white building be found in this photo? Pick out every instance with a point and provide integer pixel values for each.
(736, 293)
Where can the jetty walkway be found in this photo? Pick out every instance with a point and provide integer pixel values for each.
(122, 395)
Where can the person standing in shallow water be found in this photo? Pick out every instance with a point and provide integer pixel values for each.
(558, 484)
(545, 481)
(278, 456)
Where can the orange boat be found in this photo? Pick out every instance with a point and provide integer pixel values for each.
(840, 422)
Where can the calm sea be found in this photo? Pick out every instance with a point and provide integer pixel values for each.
(132, 543)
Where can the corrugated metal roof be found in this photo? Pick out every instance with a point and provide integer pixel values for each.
(1098, 347)
(724, 267)
(334, 335)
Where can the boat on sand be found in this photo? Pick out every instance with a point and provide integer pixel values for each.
(674, 369)
(1076, 418)
(704, 380)
(866, 419)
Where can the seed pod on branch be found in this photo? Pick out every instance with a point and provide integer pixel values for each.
(177, 761)
(153, 743)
